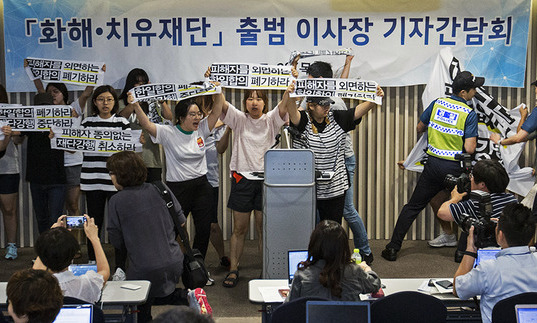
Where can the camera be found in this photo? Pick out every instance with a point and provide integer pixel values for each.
(462, 182)
(484, 227)
(75, 222)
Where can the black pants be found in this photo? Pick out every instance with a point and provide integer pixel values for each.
(96, 202)
(178, 297)
(429, 184)
(196, 196)
(331, 209)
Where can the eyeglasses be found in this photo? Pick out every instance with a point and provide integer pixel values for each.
(195, 114)
(101, 100)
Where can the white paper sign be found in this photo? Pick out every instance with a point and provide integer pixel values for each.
(66, 71)
(96, 140)
(342, 88)
(172, 91)
(251, 76)
(37, 118)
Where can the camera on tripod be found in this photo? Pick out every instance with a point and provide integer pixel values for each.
(462, 182)
(484, 227)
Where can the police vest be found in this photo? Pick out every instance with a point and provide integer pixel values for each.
(446, 128)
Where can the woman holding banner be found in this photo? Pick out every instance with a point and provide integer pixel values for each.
(184, 145)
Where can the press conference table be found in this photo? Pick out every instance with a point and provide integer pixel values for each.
(392, 286)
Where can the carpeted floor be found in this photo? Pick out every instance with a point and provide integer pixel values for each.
(416, 259)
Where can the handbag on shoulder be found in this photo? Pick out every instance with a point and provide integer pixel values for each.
(195, 274)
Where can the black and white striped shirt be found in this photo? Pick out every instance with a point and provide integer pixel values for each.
(471, 207)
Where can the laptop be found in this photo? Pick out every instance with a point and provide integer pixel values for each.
(294, 257)
(75, 313)
(336, 312)
(79, 270)
(485, 254)
(526, 313)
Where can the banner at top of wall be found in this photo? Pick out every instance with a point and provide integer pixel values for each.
(175, 41)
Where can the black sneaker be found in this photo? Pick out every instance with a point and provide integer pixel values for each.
(389, 254)
(367, 258)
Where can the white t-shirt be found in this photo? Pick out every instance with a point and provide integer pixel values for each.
(251, 137)
(86, 287)
(9, 164)
(185, 153)
(211, 154)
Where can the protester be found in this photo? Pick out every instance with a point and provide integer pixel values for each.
(56, 249)
(329, 271)
(33, 296)
(512, 272)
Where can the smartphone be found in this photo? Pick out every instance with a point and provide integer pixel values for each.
(445, 283)
(75, 222)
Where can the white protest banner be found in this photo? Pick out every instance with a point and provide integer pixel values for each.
(2, 136)
(251, 76)
(319, 52)
(65, 71)
(37, 118)
(96, 140)
(171, 91)
(342, 88)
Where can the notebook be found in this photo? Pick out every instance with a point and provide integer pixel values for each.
(334, 311)
(486, 254)
(526, 313)
(75, 313)
(81, 269)
(294, 257)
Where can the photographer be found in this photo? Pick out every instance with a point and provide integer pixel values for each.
(514, 270)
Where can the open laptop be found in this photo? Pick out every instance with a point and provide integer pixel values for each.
(81, 269)
(294, 257)
(526, 313)
(75, 314)
(486, 254)
(336, 312)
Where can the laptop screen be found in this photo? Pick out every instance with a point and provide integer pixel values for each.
(75, 314)
(486, 254)
(294, 257)
(332, 311)
(526, 313)
(79, 270)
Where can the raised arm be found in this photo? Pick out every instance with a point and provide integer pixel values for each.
(520, 136)
(223, 143)
(142, 117)
(216, 111)
(364, 107)
(166, 111)
(37, 82)
(6, 130)
(347, 67)
(92, 232)
(292, 109)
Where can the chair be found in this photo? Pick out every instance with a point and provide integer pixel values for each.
(294, 311)
(98, 315)
(408, 307)
(504, 310)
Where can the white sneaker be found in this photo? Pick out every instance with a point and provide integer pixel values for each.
(210, 281)
(444, 240)
(119, 275)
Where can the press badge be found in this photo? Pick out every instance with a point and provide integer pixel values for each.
(446, 116)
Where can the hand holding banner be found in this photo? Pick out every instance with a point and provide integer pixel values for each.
(65, 71)
(96, 140)
(341, 88)
(319, 52)
(251, 76)
(172, 91)
(37, 118)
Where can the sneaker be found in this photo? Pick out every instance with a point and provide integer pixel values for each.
(197, 299)
(119, 275)
(11, 252)
(210, 281)
(444, 240)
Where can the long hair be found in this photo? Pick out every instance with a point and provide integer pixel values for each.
(136, 75)
(330, 243)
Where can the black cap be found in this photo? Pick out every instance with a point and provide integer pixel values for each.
(320, 100)
(43, 99)
(465, 81)
(534, 83)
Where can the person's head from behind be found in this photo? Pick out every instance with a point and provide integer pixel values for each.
(104, 102)
(126, 169)
(188, 115)
(136, 77)
(56, 248)
(59, 93)
(329, 242)
(465, 83)
(255, 102)
(489, 175)
(516, 226)
(320, 69)
(34, 296)
(182, 314)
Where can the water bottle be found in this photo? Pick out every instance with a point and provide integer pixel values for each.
(356, 257)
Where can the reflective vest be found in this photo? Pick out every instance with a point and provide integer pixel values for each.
(446, 128)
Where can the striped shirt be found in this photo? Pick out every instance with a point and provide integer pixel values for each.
(471, 207)
(94, 175)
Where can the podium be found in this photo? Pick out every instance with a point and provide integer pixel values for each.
(288, 207)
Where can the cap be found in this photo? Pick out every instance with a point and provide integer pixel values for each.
(320, 100)
(534, 83)
(43, 99)
(466, 80)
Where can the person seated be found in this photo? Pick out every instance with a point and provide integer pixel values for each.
(329, 271)
(514, 271)
(33, 296)
(182, 314)
(56, 249)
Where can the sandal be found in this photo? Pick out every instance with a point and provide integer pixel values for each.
(231, 282)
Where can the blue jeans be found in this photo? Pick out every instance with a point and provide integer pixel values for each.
(351, 215)
(48, 203)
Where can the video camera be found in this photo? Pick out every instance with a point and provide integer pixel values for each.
(462, 182)
(484, 227)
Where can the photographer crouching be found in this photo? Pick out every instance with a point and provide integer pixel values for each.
(487, 176)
